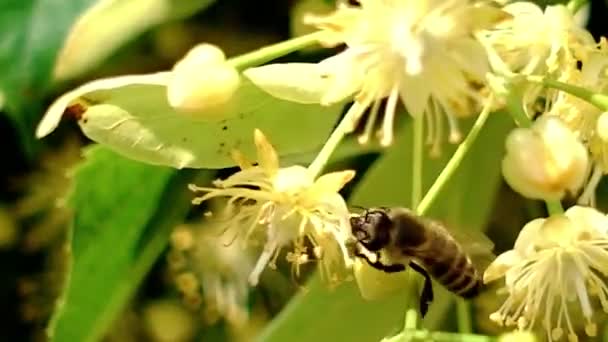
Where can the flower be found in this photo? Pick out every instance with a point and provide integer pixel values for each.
(221, 270)
(545, 161)
(587, 121)
(535, 42)
(286, 205)
(422, 52)
(556, 264)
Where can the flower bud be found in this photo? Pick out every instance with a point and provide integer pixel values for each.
(202, 80)
(545, 161)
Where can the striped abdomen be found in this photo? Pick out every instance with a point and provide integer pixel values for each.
(431, 246)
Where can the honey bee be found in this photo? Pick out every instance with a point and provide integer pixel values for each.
(389, 239)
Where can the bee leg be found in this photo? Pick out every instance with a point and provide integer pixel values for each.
(391, 268)
(427, 289)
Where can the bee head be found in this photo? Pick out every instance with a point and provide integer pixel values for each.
(372, 229)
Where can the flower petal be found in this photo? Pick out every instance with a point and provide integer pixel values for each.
(331, 182)
(501, 265)
(528, 236)
(267, 156)
(343, 74)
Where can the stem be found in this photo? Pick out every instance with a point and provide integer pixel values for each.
(516, 110)
(411, 306)
(454, 162)
(597, 99)
(554, 207)
(411, 313)
(344, 127)
(417, 160)
(575, 5)
(464, 316)
(274, 51)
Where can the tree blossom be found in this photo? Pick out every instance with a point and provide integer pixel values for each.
(287, 205)
(587, 121)
(555, 267)
(220, 270)
(422, 52)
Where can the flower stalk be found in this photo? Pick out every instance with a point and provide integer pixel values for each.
(454, 162)
(344, 127)
(274, 51)
(417, 161)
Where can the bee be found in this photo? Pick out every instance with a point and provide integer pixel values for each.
(389, 239)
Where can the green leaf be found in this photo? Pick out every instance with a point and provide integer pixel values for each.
(131, 115)
(124, 212)
(342, 315)
(91, 39)
(31, 33)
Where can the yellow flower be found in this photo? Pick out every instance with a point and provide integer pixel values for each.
(422, 52)
(286, 205)
(555, 266)
(536, 42)
(588, 122)
(220, 268)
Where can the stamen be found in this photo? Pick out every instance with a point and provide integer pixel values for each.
(557, 333)
(436, 148)
(430, 123)
(356, 110)
(591, 329)
(455, 134)
(371, 122)
(588, 196)
(389, 117)
(263, 260)
(581, 290)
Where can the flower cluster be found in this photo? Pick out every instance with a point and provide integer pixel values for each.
(421, 52)
(285, 205)
(551, 44)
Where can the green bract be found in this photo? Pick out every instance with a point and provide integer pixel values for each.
(131, 115)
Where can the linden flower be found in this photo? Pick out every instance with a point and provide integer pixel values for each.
(288, 205)
(219, 269)
(535, 42)
(587, 121)
(422, 52)
(555, 266)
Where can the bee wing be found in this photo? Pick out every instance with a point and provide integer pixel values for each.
(476, 245)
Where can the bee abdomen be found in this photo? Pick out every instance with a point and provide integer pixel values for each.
(453, 269)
